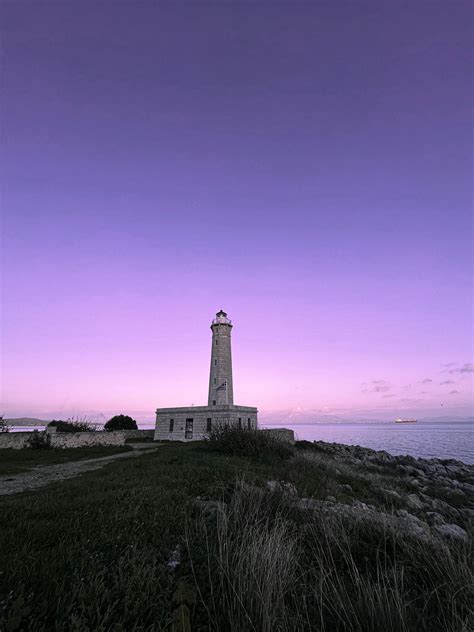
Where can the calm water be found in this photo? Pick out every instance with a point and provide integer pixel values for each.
(446, 440)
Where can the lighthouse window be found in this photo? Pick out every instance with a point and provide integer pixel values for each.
(216, 340)
(209, 424)
(249, 424)
(215, 362)
(215, 380)
(171, 425)
(240, 422)
(213, 402)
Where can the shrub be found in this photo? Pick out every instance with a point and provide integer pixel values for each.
(39, 441)
(4, 427)
(244, 442)
(72, 425)
(121, 422)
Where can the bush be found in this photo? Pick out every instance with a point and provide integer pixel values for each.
(72, 425)
(4, 427)
(39, 441)
(253, 443)
(121, 422)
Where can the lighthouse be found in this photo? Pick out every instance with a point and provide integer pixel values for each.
(220, 376)
(196, 422)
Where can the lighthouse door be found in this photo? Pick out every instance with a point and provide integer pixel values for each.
(189, 429)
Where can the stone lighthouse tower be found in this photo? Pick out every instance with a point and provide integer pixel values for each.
(220, 376)
(196, 422)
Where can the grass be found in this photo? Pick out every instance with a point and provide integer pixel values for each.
(91, 553)
(16, 461)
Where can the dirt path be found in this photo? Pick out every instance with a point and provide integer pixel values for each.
(42, 475)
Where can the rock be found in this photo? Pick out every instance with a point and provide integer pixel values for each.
(385, 456)
(174, 558)
(452, 532)
(281, 487)
(453, 469)
(412, 471)
(331, 499)
(359, 505)
(345, 488)
(414, 502)
(444, 508)
(391, 494)
(307, 503)
(434, 518)
(412, 524)
(427, 500)
(468, 514)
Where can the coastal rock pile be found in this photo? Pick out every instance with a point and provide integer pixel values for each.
(422, 498)
(431, 497)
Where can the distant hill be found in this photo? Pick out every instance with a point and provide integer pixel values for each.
(27, 421)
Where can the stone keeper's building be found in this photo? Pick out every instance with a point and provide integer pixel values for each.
(187, 424)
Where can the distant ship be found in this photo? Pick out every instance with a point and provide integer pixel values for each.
(398, 420)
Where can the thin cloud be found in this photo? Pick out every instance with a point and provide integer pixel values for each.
(389, 395)
(447, 382)
(454, 392)
(379, 386)
(427, 380)
(468, 367)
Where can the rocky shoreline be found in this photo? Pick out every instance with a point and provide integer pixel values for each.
(422, 498)
(428, 496)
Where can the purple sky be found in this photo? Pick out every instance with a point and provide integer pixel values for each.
(304, 166)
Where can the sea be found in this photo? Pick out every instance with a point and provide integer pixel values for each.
(425, 439)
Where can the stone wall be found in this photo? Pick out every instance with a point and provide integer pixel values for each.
(285, 434)
(15, 440)
(145, 435)
(19, 440)
(245, 416)
(82, 439)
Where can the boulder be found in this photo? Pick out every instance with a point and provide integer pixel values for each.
(434, 518)
(452, 532)
(391, 494)
(345, 488)
(359, 505)
(414, 502)
(411, 524)
(281, 487)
